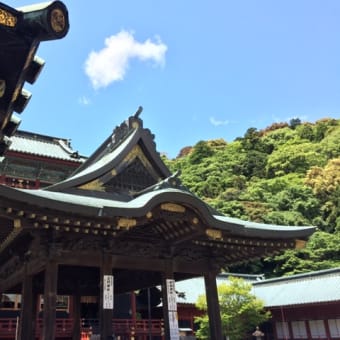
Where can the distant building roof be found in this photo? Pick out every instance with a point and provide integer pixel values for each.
(45, 146)
(193, 288)
(315, 287)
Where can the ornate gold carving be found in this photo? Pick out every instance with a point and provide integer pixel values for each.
(58, 20)
(7, 18)
(135, 124)
(300, 244)
(195, 220)
(96, 185)
(173, 207)
(214, 234)
(17, 223)
(126, 222)
(138, 152)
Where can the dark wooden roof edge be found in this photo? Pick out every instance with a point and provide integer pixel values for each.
(140, 206)
(122, 130)
(115, 148)
(94, 170)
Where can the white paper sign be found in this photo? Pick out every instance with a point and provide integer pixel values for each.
(173, 323)
(108, 292)
(172, 309)
(171, 292)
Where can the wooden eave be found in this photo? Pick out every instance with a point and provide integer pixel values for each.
(177, 224)
(91, 208)
(139, 239)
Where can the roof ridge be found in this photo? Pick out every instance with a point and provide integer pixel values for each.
(302, 276)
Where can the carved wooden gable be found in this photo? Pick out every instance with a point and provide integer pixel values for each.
(135, 173)
(126, 163)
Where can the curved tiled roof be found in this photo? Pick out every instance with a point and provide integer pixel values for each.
(94, 206)
(45, 146)
(125, 182)
(316, 287)
(309, 288)
(112, 153)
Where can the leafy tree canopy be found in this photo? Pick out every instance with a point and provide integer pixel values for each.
(286, 174)
(240, 310)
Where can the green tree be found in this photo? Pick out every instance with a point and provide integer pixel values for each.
(241, 311)
(321, 252)
(201, 150)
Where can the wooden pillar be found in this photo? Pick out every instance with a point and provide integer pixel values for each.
(105, 314)
(35, 307)
(169, 311)
(50, 298)
(214, 314)
(76, 306)
(133, 308)
(27, 319)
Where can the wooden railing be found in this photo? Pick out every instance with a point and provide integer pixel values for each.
(8, 328)
(64, 328)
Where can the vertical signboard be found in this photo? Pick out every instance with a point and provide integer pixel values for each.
(108, 292)
(172, 309)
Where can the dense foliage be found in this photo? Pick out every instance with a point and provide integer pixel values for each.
(241, 311)
(286, 174)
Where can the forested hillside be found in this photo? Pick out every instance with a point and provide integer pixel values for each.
(288, 174)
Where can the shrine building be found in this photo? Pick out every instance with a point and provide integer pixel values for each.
(98, 227)
(122, 219)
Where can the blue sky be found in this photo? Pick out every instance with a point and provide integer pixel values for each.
(200, 69)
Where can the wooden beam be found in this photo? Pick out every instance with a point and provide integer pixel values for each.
(91, 259)
(15, 278)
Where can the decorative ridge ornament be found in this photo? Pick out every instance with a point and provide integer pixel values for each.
(124, 129)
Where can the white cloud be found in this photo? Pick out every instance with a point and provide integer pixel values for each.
(217, 122)
(83, 100)
(111, 62)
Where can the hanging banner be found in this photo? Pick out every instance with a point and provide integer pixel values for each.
(108, 292)
(171, 293)
(173, 324)
(172, 309)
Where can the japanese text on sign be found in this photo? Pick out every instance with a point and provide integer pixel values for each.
(108, 292)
